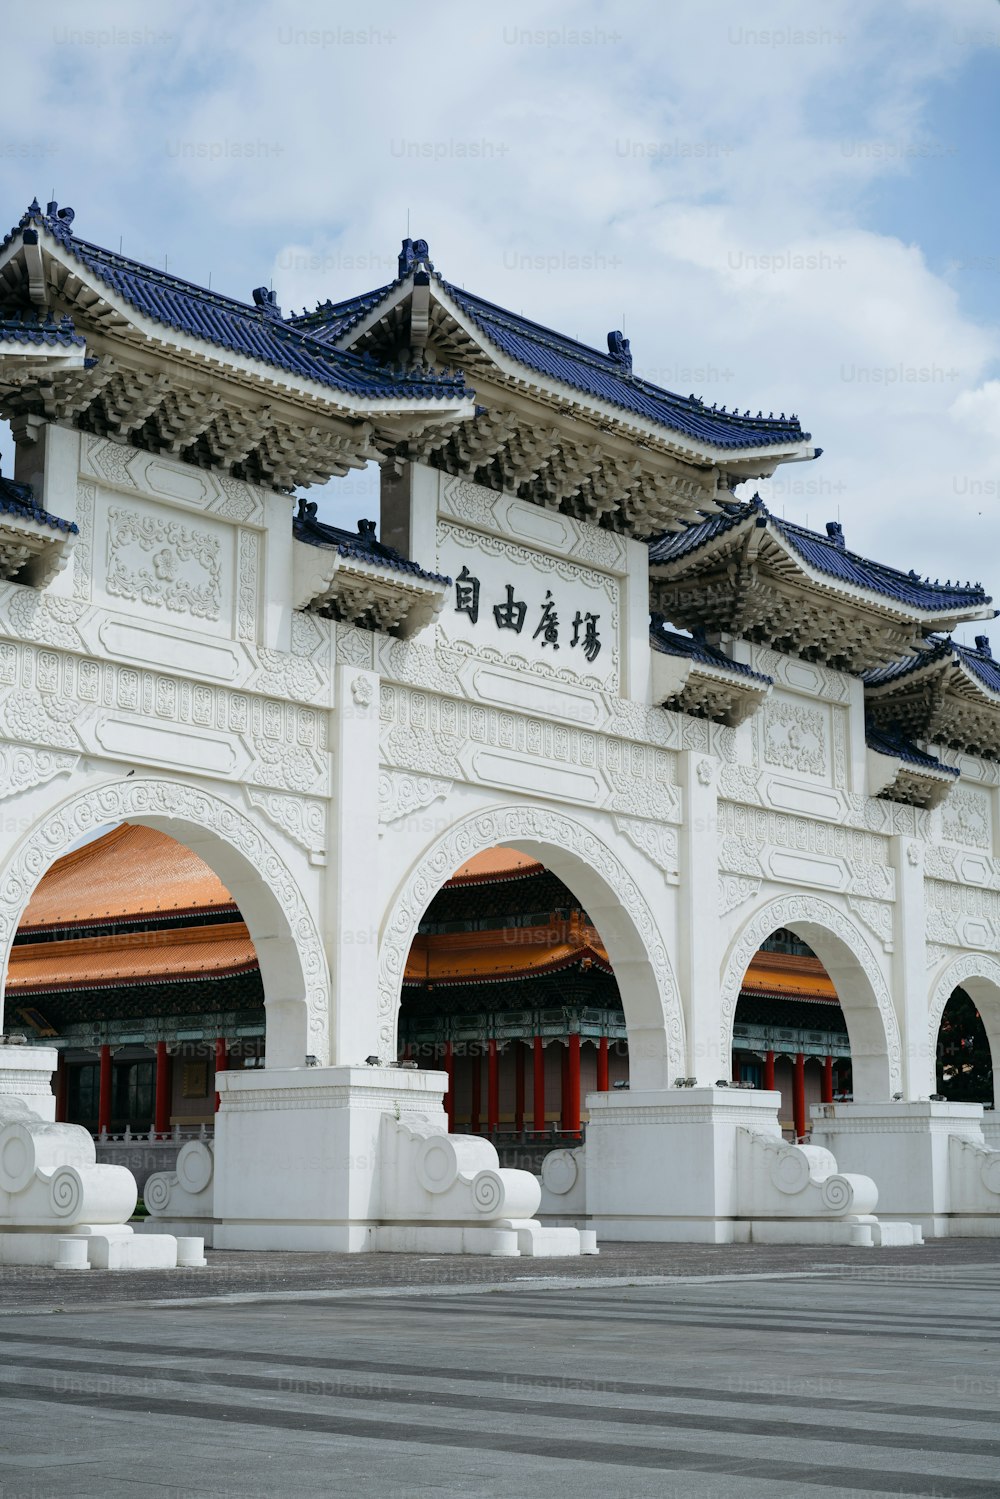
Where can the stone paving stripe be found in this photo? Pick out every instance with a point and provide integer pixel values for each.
(579, 1450)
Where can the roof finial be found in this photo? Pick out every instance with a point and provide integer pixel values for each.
(267, 300)
(835, 531)
(619, 348)
(414, 252)
(983, 646)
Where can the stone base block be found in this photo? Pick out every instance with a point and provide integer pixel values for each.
(97, 1250)
(912, 1149)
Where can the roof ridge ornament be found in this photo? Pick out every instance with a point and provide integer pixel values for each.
(620, 349)
(414, 254)
(835, 531)
(266, 299)
(983, 646)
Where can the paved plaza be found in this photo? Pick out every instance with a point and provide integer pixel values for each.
(652, 1370)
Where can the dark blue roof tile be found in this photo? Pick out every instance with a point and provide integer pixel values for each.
(826, 554)
(256, 332)
(605, 376)
(977, 661)
(18, 500)
(694, 648)
(29, 328)
(892, 742)
(362, 546)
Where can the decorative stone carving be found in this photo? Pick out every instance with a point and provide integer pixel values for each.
(795, 737)
(792, 911)
(134, 800)
(354, 647)
(782, 1179)
(247, 586)
(657, 842)
(83, 561)
(735, 890)
(402, 795)
(163, 563)
(21, 767)
(877, 917)
(965, 817)
(514, 824)
(58, 1207)
(705, 771)
(239, 502)
(303, 819)
(362, 691)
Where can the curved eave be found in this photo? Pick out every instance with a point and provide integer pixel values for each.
(759, 461)
(696, 562)
(206, 355)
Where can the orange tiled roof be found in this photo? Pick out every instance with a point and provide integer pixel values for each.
(790, 976)
(128, 873)
(131, 958)
(505, 953)
(495, 864)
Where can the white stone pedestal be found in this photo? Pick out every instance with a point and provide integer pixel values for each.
(26, 1073)
(359, 1158)
(709, 1166)
(906, 1147)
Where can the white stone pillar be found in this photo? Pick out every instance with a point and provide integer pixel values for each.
(909, 969)
(26, 1075)
(699, 956)
(351, 927)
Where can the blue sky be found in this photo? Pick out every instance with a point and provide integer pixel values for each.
(790, 206)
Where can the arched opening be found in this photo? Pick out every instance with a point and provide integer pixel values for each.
(964, 1058)
(841, 959)
(509, 989)
(134, 960)
(789, 1032)
(183, 928)
(606, 911)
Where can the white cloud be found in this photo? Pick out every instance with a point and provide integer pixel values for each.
(676, 149)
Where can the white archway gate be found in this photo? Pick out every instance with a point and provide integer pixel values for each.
(872, 1026)
(289, 951)
(587, 865)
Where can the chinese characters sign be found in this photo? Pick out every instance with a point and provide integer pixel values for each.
(527, 610)
(511, 613)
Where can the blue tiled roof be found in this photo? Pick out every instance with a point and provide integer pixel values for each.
(257, 332)
(826, 554)
(693, 648)
(892, 742)
(29, 328)
(362, 545)
(18, 500)
(606, 377)
(978, 662)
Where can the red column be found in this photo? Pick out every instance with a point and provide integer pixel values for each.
(161, 1110)
(799, 1096)
(603, 1085)
(477, 1089)
(492, 1087)
(104, 1093)
(520, 1064)
(735, 1069)
(61, 1080)
(769, 1071)
(571, 1086)
(538, 1082)
(449, 1097)
(827, 1094)
(220, 1063)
